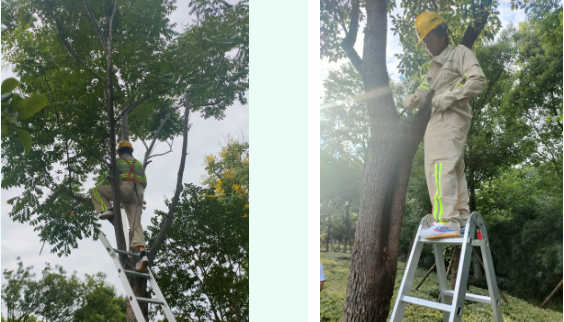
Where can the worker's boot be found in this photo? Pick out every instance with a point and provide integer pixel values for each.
(142, 264)
(106, 214)
(439, 231)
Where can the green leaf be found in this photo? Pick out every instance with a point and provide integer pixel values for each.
(31, 106)
(25, 137)
(9, 85)
(16, 99)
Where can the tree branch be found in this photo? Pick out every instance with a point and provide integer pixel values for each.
(477, 25)
(91, 16)
(72, 195)
(172, 208)
(150, 148)
(350, 39)
(133, 105)
(161, 154)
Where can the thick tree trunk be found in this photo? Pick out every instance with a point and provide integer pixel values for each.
(374, 261)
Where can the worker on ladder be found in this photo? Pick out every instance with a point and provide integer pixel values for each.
(454, 77)
(132, 185)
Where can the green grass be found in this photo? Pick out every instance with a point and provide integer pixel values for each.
(336, 268)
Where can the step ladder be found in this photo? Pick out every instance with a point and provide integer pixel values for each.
(123, 273)
(475, 227)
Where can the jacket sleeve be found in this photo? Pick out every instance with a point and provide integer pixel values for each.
(422, 92)
(468, 65)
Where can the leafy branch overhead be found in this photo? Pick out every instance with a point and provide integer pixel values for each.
(15, 109)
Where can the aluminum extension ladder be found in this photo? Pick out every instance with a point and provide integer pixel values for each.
(122, 273)
(475, 227)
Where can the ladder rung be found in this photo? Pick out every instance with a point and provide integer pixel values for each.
(449, 241)
(125, 252)
(148, 300)
(128, 272)
(472, 297)
(426, 303)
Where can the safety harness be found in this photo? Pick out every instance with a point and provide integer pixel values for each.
(131, 175)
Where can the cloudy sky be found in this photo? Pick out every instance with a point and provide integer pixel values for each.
(205, 137)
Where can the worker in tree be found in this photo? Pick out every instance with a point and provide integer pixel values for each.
(455, 77)
(132, 184)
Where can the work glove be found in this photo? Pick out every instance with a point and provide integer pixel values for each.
(411, 102)
(441, 102)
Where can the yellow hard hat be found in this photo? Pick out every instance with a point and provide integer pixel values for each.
(426, 22)
(124, 144)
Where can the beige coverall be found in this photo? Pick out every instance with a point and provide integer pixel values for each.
(457, 70)
(132, 203)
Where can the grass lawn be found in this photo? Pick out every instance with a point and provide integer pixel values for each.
(336, 268)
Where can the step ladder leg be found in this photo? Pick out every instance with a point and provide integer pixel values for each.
(407, 281)
(123, 278)
(462, 274)
(490, 274)
(160, 296)
(441, 276)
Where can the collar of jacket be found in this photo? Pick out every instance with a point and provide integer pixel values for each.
(442, 58)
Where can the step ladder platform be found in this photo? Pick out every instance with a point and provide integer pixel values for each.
(450, 241)
(472, 297)
(426, 303)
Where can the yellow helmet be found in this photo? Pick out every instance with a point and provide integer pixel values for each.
(426, 22)
(124, 144)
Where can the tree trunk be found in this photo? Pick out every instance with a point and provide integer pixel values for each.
(347, 225)
(477, 269)
(125, 127)
(139, 286)
(328, 235)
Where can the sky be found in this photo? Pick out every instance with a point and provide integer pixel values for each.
(205, 137)
(506, 16)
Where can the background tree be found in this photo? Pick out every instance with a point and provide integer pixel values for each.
(57, 297)
(206, 253)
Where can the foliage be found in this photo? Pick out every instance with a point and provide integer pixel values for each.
(156, 71)
(336, 267)
(228, 172)
(15, 109)
(57, 297)
(202, 267)
(524, 208)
